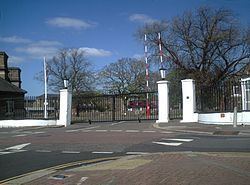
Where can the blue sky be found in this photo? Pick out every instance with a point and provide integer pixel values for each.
(105, 29)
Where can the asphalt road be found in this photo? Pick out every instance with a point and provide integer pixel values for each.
(26, 150)
(24, 162)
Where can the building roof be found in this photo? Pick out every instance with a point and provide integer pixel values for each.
(3, 53)
(6, 86)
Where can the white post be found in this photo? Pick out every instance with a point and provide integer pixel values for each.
(163, 102)
(65, 107)
(235, 117)
(189, 101)
(45, 89)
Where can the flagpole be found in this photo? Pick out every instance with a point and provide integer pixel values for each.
(45, 89)
(147, 77)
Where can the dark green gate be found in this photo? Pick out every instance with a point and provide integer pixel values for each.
(117, 107)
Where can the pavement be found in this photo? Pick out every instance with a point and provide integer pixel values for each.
(185, 167)
(198, 128)
(150, 169)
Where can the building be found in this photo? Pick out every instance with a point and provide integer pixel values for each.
(11, 94)
(10, 74)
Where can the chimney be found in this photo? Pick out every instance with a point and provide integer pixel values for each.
(4, 66)
(15, 76)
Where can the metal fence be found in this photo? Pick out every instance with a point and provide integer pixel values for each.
(29, 107)
(223, 97)
(117, 107)
(175, 100)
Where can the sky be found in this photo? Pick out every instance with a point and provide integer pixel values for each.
(105, 29)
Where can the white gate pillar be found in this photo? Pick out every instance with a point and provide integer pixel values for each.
(245, 88)
(65, 107)
(163, 102)
(189, 101)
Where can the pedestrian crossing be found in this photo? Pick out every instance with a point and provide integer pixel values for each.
(173, 141)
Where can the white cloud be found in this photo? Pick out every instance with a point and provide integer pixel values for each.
(96, 52)
(66, 22)
(141, 18)
(14, 40)
(40, 49)
(46, 43)
(13, 60)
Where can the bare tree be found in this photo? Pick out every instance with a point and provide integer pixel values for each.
(124, 76)
(69, 64)
(208, 45)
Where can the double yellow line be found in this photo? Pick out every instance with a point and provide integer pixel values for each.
(60, 167)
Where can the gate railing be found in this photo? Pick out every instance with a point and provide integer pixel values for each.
(175, 100)
(220, 98)
(29, 107)
(118, 107)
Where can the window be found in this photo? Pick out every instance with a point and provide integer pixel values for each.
(9, 107)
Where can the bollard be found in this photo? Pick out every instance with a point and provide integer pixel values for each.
(235, 117)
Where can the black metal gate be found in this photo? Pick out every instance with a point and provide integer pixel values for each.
(175, 100)
(119, 107)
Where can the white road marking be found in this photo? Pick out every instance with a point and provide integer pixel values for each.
(20, 135)
(92, 127)
(18, 147)
(85, 130)
(43, 151)
(132, 131)
(102, 152)
(167, 144)
(115, 130)
(3, 153)
(82, 180)
(38, 132)
(137, 153)
(183, 140)
(166, 132)
(27, 132)
(101, 130)
(149, 131)
(72, 130)
(70, 152)
(118, 123)
(14, 149)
